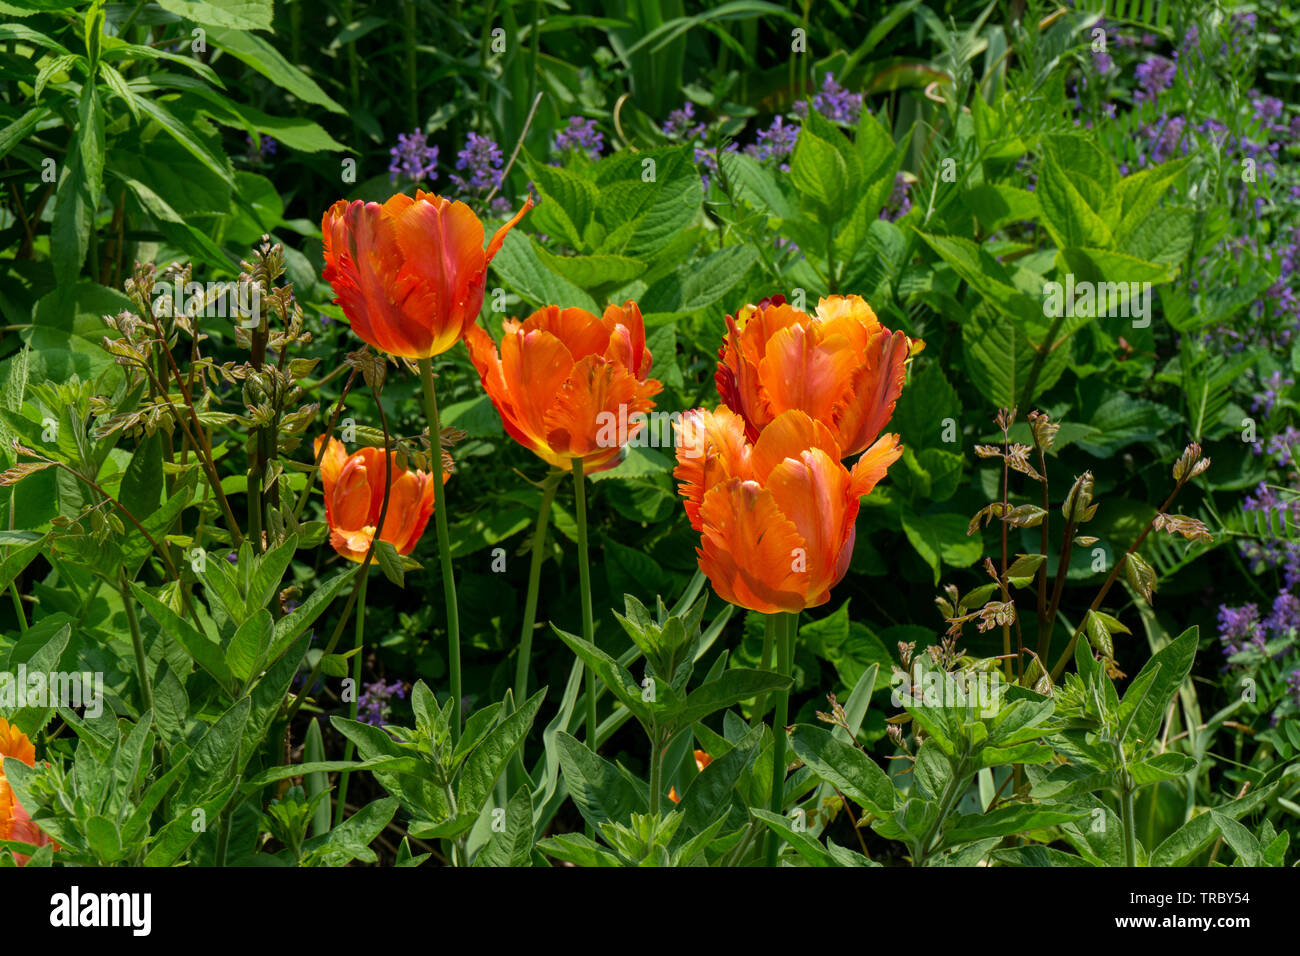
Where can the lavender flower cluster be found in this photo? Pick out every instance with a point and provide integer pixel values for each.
(413, 158)
(375, 704)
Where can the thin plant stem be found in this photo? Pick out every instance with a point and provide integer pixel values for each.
(769, 641)
(1068, 653)
(784, 663)
(137, 645)
(656, 771)
(584, 586)
(549, 487)
(356, 692)
(18, 607)
(444, 544)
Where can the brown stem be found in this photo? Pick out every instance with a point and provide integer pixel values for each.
(1044, 632)
(199, 438)
(1110, 579)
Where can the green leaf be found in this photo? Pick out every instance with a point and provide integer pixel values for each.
(819, 172)
(1174, 663)
(186, 136)
(844, 767)
(589, 272)
(612, 674)
(521, 269)
(600, 790)
(212, 761)
(1068, 217)
(735, 685)
(941, 539)
(351, 839)
(206, 653)
(512, 845)
(292, 625)
(390, 562)
(804, 844)
(248, 647)
(702, 283)
(259, 54)
(237, 14)
(41, 656)
(1006, 820)
(486, 762)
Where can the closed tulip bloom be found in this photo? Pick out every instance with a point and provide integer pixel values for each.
(568, 384)
(839, 365)
(409, 273)
(15, 822)
(354, 495)
(776, 516)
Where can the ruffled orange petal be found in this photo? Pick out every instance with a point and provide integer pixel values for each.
(711, 447)
(580, 331)
(874, 392)
(807, 368)
(789, 435)
(749, 549)
(874, 463)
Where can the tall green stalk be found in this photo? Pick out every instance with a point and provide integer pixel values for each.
(784, 665)
(1130, 827)
(584, 585)
(444, 543)
(549, 487)
(770, 624)
(137, 644)
(356, 691)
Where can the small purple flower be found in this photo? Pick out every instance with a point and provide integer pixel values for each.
(899, 204)
(375, 702)
(1265, 400)
(482, 159)
(413, 158)
(681, 123)
(1239, 627)
(836, 103)
(267, 148)
(1285, 616)
(1155, 74)
(581, 136)
(1282, 446)
(1102, 63)
(777, 142)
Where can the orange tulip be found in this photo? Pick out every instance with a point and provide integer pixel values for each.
(568, 384)
(776, 516)
(15, 823)
(702, 760)
(840, 365)
(354, 495)
(409, 273)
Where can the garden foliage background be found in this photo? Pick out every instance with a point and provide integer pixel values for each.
(944, 160)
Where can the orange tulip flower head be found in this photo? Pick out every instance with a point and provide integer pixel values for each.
(568, 384)
(776, 516)
(409, 273)
(354, 496)
(839, 365)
